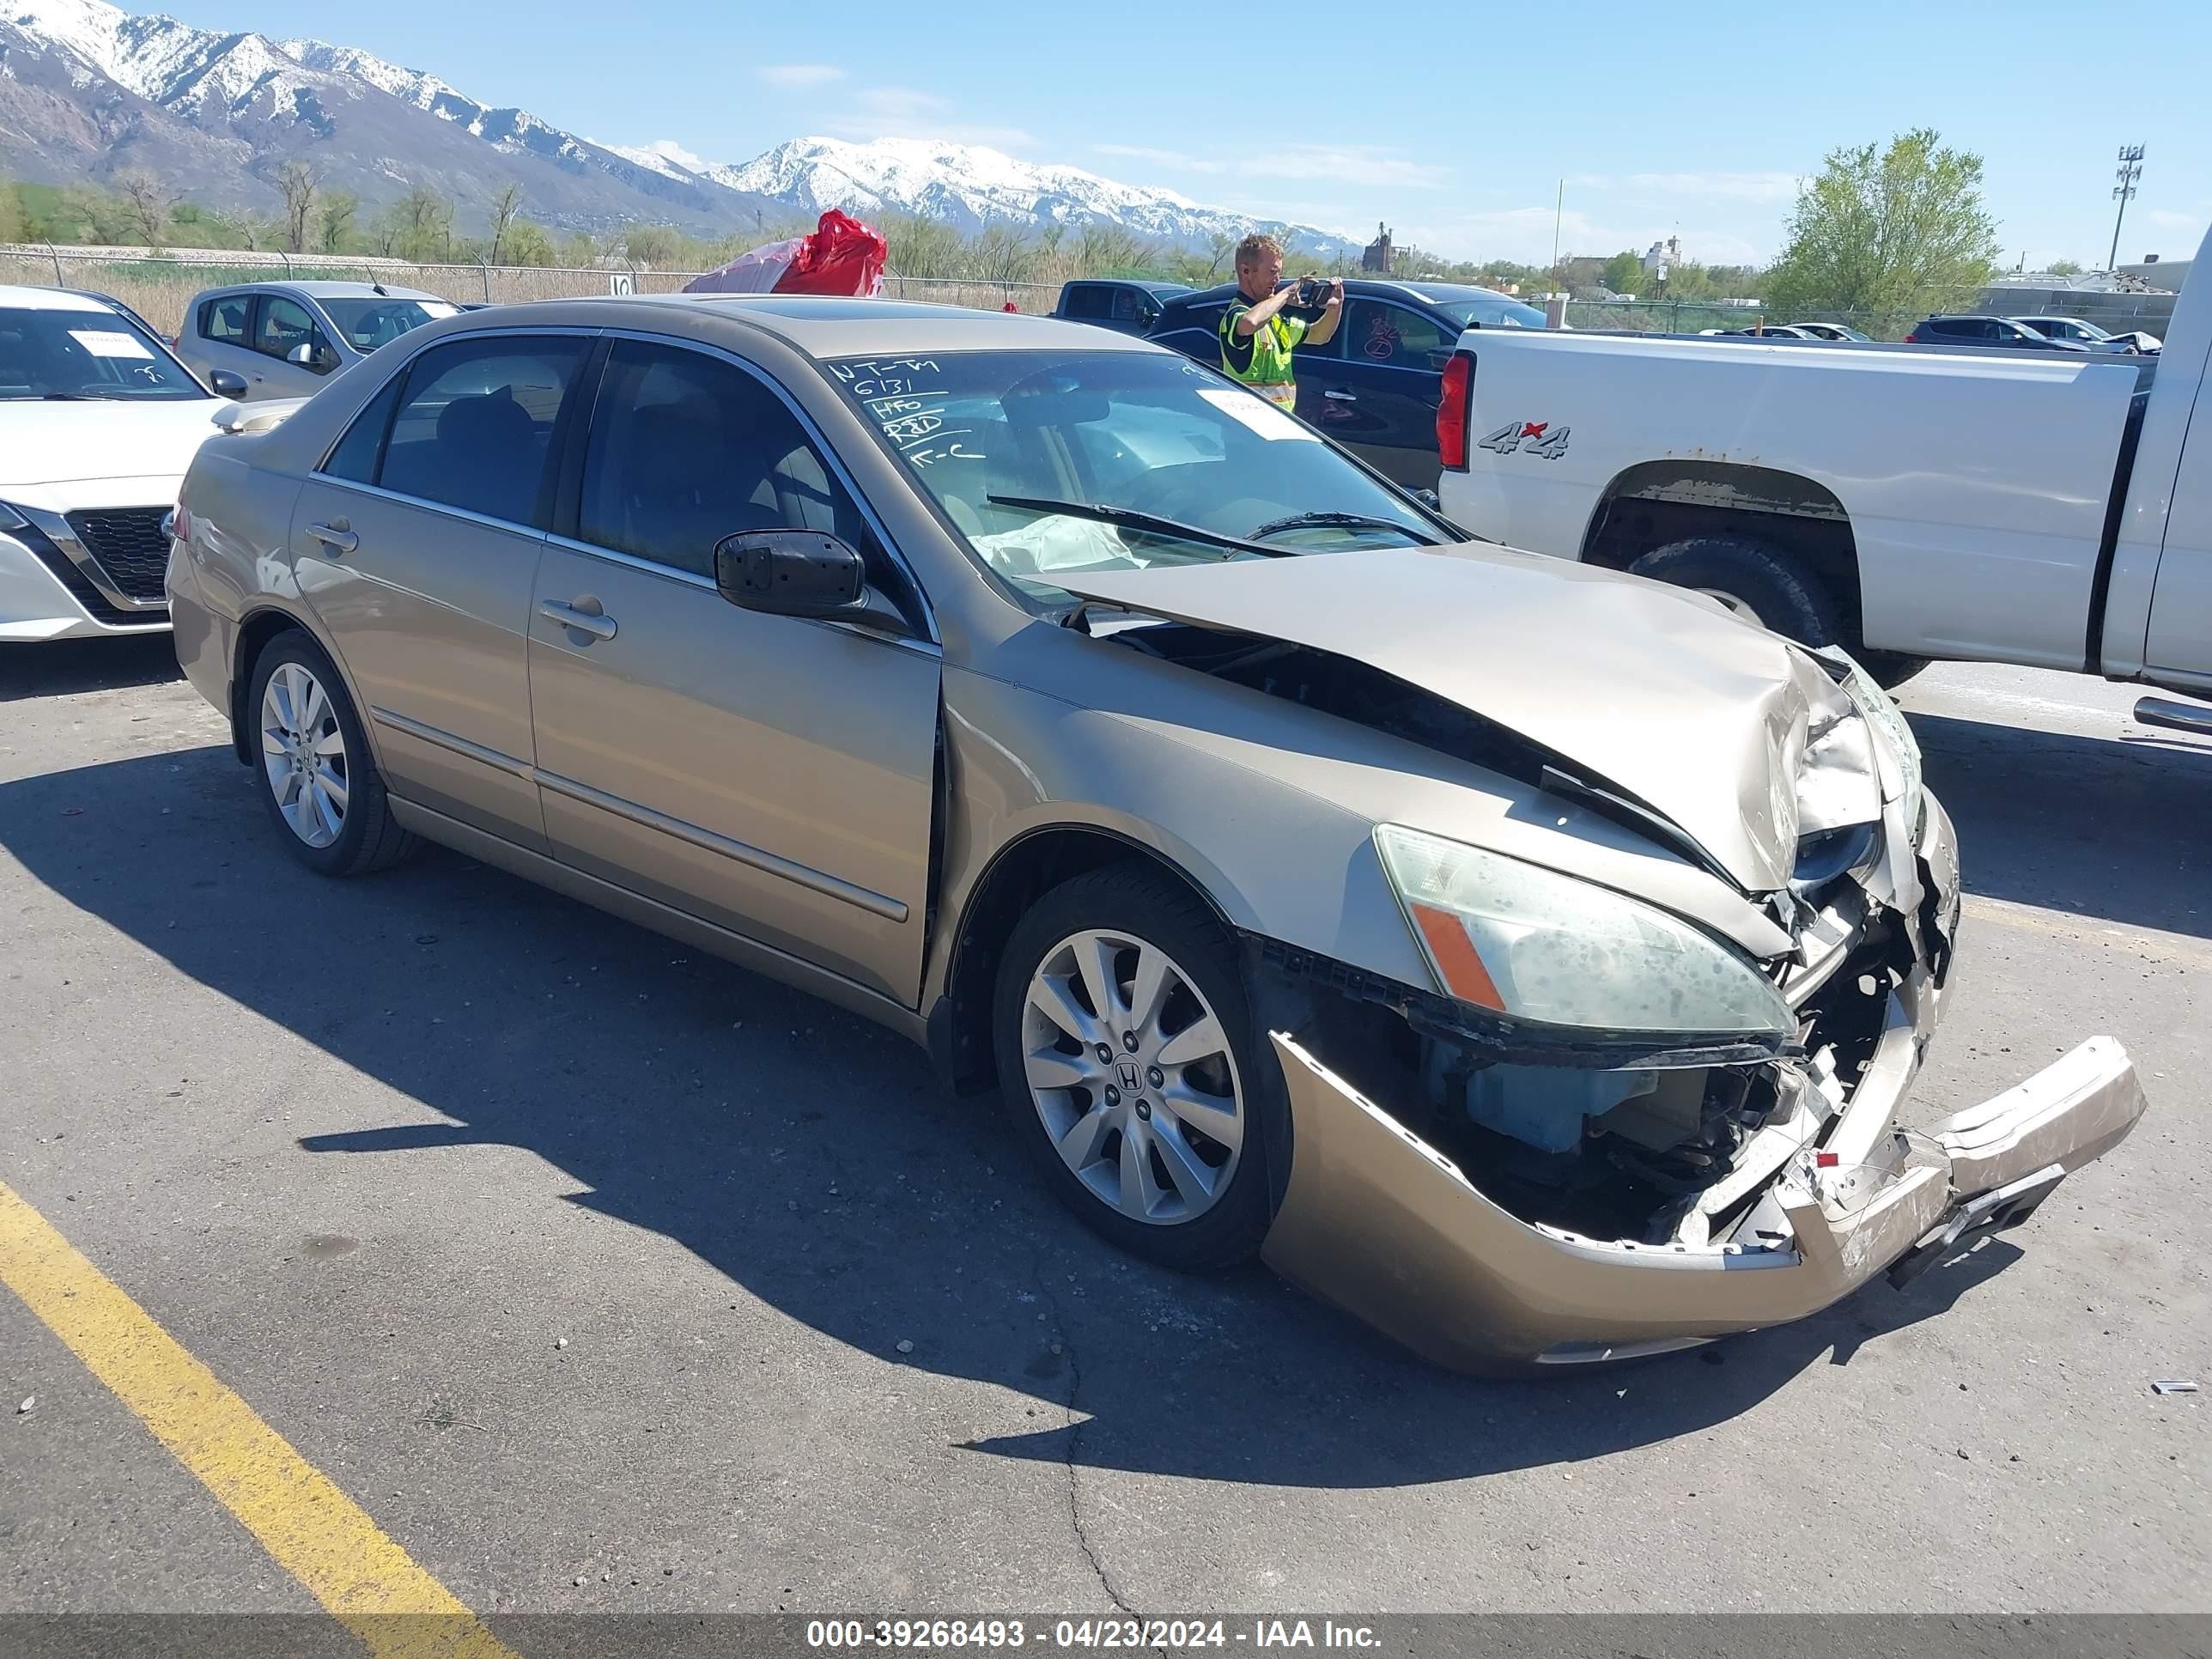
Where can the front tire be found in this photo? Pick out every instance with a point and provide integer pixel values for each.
(311, 757)
(1127, 1055)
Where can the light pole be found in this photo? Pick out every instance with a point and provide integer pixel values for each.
(2131, 169)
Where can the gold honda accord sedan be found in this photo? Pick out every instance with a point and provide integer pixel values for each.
(1530, 958)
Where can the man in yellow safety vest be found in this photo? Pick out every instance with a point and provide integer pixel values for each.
(1257, 337)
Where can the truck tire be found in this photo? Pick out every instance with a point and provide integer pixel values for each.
(1751, 580)
(1890, 669)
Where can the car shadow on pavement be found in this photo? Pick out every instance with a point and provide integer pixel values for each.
(68, 666)
(2108, 827)
(813, 1159)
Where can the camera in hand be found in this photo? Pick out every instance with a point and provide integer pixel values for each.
(1311, 294)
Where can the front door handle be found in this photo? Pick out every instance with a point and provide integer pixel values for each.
(598, 625)
(1335, 396)
(336, 536)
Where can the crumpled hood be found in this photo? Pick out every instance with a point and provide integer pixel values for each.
(1658, 692)
(44, 443)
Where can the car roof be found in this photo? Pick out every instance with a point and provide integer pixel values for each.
(822, 326)
(51, 298)
(318, 290)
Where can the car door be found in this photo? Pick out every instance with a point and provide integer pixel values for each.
(1375, 387)
(772, 775)
(416, 544)
(2179, 642)
(220, 335)
(281, 327)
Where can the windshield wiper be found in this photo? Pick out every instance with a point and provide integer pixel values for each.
(1131, 519)
(1341, 520)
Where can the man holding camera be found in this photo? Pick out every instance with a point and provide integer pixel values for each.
(1257, 332)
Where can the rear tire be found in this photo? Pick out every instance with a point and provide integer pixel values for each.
(311, 757)
(1752, 581)
(1890, 669)
(1163, 1129)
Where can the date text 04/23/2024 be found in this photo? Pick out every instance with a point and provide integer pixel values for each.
(1126, 1634)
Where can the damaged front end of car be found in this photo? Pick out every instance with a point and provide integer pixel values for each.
(1604, 1133)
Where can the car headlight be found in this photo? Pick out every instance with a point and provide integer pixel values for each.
(1533, 945)
(1893, 739)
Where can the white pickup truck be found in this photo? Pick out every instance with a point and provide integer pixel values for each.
(1905, 503)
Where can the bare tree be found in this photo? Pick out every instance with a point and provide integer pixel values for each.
(147, 202)
(505, 207)
(297, 182)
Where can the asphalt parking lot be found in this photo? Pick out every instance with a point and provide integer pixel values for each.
(587, 1266)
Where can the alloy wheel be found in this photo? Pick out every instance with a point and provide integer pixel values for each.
(303, 754)
(1133, 1076)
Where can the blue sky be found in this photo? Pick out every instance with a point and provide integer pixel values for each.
(1656, 124)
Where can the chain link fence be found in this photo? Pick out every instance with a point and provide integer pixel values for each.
(160, 284)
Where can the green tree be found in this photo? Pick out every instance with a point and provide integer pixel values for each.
(528, 245)
(1623, 272)
(1899, 229)
(2064, 267)
(12, 227)
(657, 247)
(424, 221)
(334, 217)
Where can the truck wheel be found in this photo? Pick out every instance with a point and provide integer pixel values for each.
(1890, 669)
(1751, 580)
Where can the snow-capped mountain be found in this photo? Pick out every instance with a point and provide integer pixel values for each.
(966, 186)
(88, 89)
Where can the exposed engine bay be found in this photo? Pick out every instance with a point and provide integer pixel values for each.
(1675, 1145)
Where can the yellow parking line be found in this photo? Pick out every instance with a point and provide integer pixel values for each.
(314, 1531)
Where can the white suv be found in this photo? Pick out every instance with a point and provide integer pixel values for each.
(285, 339)
(98, 423)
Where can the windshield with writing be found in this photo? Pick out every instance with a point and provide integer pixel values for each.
(1112, 436)
(66, 356)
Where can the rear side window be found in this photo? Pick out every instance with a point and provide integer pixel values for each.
(1090, 302)
(1384, 333)
(686, 449)
(224, 319)
(357, 452)
(474, 425)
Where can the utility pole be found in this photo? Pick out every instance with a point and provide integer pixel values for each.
(2131, 169)
(1559, 207)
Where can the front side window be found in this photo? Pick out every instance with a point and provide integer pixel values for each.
(1045, 461)
(56, 355)
(686, 449)
(474, 425)
(284, 327)
(223, 320)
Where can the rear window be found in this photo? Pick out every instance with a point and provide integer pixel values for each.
(224, 318)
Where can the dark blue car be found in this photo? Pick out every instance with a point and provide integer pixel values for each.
(1374, 387)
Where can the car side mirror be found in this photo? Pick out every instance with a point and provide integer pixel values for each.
(317, 359)
(1427, 498)
(791, 573)
(228, 383)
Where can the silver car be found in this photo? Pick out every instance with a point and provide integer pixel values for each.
(284, 339)
(1532, 959)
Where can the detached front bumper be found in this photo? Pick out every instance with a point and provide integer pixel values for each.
(1378, 1221)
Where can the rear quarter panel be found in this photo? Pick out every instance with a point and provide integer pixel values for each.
(1975, 484)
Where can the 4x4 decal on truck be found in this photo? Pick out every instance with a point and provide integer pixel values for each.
(1543, 440)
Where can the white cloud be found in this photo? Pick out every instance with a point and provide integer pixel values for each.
(1160, 158)
(1761, 186)
(800, 75)
(2167, 219)
(1370, 165)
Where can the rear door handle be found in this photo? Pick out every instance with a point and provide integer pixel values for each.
(1336, 397)
(335, 536)
(599, 626)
